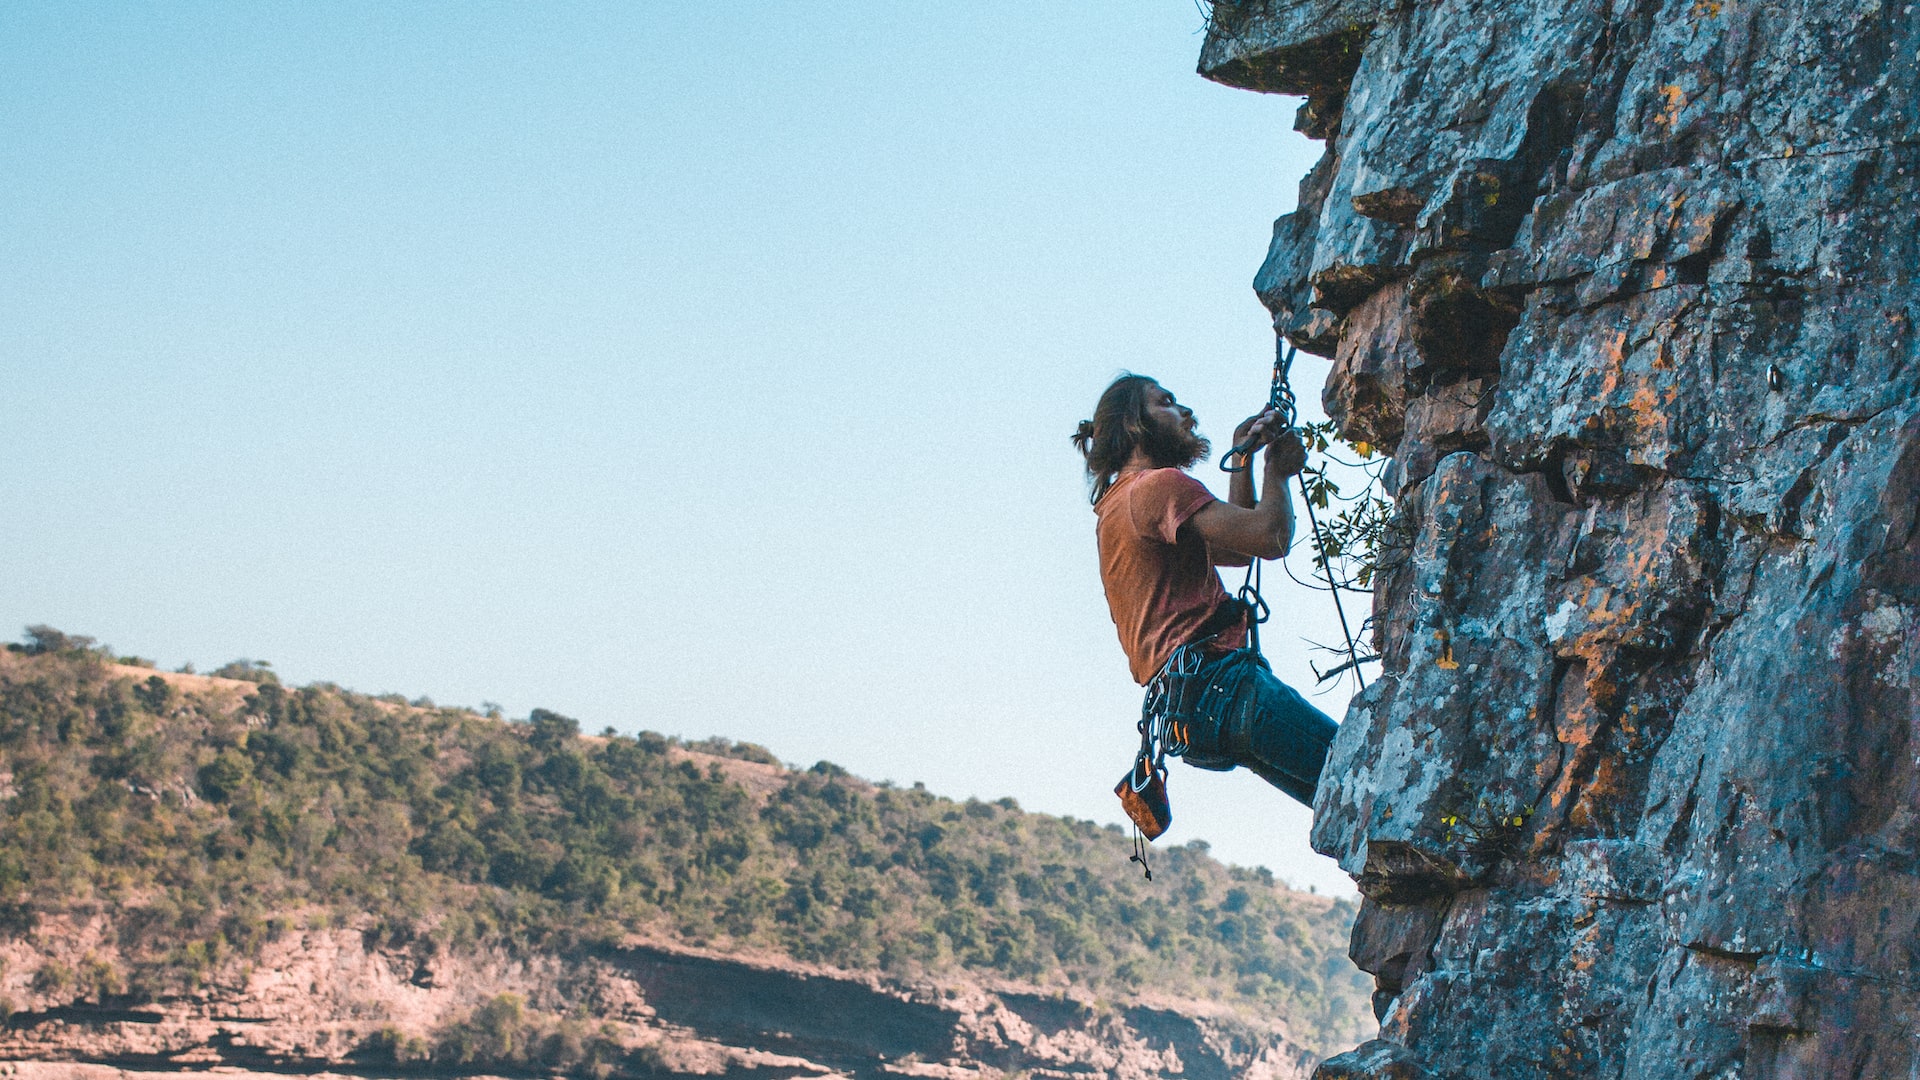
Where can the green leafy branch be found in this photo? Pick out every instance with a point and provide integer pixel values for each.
(1365, 535)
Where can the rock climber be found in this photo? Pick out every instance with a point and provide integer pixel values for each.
(1161, 534)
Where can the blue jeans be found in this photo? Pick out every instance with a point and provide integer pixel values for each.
(1235, 712)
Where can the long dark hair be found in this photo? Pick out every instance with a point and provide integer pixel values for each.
(1119, 425)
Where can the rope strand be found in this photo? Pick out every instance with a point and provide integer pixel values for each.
(1281, 399)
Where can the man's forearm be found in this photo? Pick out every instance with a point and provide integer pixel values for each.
(1240, 488)
(1279, 502)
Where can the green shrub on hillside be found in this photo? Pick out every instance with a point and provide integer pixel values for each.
(208, 830)
(504, 1034)
(257, 671)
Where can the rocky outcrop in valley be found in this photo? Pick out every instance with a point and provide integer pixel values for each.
(348, 1001)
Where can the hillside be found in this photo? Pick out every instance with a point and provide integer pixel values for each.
(171, 845)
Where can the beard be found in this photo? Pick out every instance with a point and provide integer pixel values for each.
(1175, 447)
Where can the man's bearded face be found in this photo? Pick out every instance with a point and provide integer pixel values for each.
(1172, 441)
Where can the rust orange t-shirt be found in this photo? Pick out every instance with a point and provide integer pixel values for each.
(1160, 582)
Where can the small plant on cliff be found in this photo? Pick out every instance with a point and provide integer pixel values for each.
(1485, 832)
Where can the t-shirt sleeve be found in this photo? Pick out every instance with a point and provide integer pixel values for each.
(1163, 500)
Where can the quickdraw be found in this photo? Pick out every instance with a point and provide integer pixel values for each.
(1280, 398)
(1161, 733)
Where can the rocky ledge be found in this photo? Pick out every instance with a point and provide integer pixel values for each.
(1626, 288)
(352, 1002)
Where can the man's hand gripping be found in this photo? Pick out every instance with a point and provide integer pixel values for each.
(1286, 454)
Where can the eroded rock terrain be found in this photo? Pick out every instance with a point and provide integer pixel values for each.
(351, 1001)
(1626, 287)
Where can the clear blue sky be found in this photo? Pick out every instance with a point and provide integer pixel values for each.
(697, 367)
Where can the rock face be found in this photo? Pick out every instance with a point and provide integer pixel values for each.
(351, 1001)
(1627, 289)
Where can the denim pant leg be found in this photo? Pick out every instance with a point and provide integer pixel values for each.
(1280, 736)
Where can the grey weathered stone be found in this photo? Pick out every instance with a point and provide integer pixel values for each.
(1376, 1059)
(1626, 287)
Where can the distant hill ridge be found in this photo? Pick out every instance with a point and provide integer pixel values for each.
(187, 830)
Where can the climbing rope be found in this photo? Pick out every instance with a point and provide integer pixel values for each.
(1239, 459)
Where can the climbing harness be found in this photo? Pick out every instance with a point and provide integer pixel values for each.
(1239, 459)
(1166, 724)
